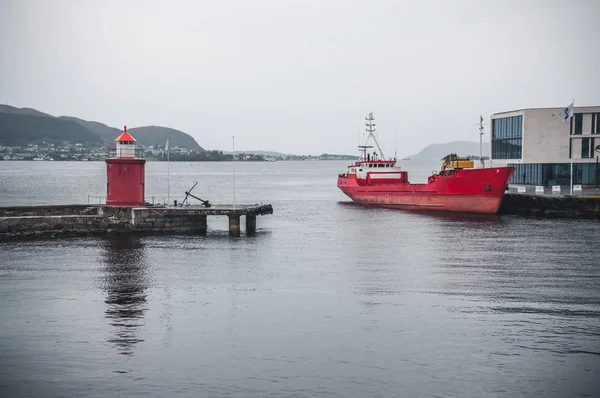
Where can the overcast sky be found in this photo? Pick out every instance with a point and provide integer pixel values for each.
(299, 76)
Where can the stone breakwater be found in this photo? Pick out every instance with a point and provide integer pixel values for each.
(24, 222)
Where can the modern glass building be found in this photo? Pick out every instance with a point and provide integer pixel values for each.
(542, 147)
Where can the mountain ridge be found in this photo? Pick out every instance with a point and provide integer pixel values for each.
(20, 129)
(462, 148)
(21, 126)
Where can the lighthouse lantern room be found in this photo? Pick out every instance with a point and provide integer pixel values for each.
(125, 173)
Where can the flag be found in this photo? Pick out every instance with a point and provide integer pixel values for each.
(567, 112)
(166, 151)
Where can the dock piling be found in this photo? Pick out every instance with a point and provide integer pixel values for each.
(234, 225)
(250, 224)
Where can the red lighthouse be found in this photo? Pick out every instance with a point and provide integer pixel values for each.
(125, 173)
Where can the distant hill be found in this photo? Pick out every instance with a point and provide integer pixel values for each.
(22, 129)
(462, 148)
(337, 156)
(107, 133)
(287, 155)
(146, 135)
(21, 111)
(260, 153)
(153, 135)
(20, 126)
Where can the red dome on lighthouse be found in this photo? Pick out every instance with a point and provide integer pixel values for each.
(125, 136)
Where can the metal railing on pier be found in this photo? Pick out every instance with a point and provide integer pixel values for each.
(554, 190)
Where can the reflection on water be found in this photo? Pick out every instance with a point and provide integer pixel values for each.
(125, 280)
(412, 240)
(449, 216)
(439, 215)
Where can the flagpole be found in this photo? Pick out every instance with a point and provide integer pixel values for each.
(233, 150)
(395, 148)
(168, 175)
(481, 141)
(571, 181)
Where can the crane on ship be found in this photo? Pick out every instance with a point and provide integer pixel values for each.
(453, 161)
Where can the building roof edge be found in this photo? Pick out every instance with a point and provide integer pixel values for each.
(559, 108)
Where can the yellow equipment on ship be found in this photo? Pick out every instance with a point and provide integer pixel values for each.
(453, 161)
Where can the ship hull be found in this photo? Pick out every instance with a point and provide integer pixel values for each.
(468, 191)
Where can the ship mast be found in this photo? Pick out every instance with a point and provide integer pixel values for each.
(481, 141)
(371, 130)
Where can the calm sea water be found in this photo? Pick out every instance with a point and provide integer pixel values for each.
(328, 299)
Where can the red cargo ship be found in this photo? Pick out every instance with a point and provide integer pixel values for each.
(457, 187)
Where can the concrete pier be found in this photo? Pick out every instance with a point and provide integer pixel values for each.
(550, 206)
(21, 222)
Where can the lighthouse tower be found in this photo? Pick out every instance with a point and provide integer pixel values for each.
(125, 173)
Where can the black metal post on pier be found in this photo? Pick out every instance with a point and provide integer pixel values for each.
(598, 151)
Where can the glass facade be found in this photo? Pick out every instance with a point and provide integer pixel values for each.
(595, 123)
(577, 121)
(526, 174)
(555, 174)
(507, 134)
(585, 148)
